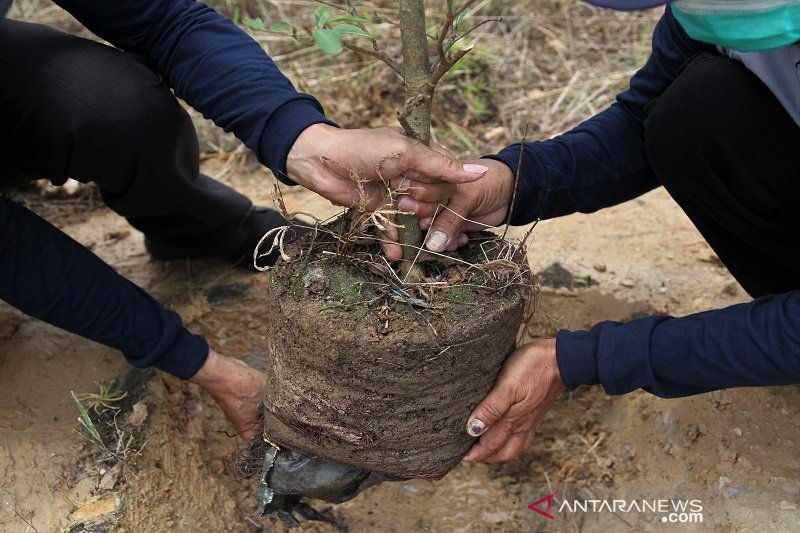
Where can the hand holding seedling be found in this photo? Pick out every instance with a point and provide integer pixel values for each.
(332, 161)
(508, 418)
(470, 206)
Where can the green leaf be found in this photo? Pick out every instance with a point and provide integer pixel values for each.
(460, 17)
(328, 41)
(350, 19)
(86, 420)
(281, 26)
(349, 29)
(323, 15)
(253, 24)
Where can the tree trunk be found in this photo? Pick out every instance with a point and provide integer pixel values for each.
(416, 115)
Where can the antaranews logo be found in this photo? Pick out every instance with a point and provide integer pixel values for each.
(672, 511)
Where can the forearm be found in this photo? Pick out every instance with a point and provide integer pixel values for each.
(213, 65)
(752, 344)
(48, 275)
(599, 163)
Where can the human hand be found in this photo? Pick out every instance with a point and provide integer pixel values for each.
(237, 389)
(508, 418)
(323, 158)
(484, 203)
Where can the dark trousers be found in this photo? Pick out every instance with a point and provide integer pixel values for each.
(729, 154)
(72, 108)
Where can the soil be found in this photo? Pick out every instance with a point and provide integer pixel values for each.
(735, 451)
(368, 373)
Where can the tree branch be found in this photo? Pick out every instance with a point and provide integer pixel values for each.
(378, 54)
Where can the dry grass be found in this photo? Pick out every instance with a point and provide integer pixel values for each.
(545, 66)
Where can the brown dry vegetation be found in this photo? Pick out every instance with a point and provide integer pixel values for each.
(543, 67)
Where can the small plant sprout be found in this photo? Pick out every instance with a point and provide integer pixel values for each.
(104, 399)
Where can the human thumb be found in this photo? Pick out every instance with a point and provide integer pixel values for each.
(488, 412)
(447, 224)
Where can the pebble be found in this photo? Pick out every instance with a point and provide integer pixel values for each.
(96, 507)
(627, 283)
(787, 506)
(600, 267)
(737, 432)
(138, 414)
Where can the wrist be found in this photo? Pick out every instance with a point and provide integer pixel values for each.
(303, 160)
(504, 178)
(209, 373)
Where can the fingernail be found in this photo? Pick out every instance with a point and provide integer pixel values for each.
(436, 241)
(475, 169)
(476, 427)
(407, 204)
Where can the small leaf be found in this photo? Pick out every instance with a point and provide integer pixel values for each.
(350, 19)
(253, 24)
(328, 41)
(323, 15)
(86, 420)
(281, 26)
(460, 17)
(349, 29)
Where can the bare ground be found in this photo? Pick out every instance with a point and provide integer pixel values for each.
(735, 451)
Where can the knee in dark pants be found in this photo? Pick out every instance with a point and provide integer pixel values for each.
(132, 120)
(725, 149)
(88, 111)
(697, 114)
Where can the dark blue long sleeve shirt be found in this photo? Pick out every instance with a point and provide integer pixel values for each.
(602, 162)
(217, 69)
(221, 72)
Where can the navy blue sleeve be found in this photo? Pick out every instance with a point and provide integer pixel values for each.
(47, 275)
(751, 344)
(602, 161)
(211, 64)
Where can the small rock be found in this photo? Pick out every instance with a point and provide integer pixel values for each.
(408, 487)
(97, 507)
(139, 414)
(627, 283)
(737, 432)
(315, 281)
(787, 506)
(71, 187)
(600, 267)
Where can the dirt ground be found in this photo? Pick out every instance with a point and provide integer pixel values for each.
(166, 462)
(735, 451)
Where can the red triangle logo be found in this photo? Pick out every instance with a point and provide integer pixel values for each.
(534, 506)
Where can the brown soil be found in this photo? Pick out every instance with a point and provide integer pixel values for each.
(360, 375)
(735, 450)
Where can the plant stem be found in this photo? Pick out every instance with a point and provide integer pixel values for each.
(416, 115)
